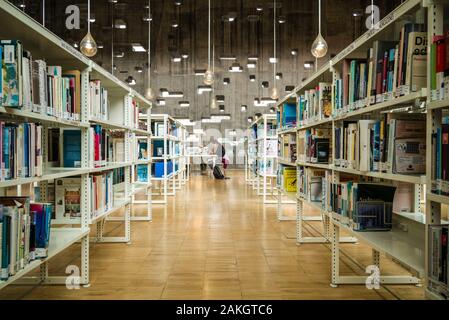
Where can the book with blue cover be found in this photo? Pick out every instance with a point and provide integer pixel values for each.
(11, 73)
(142, 173)
(71, 148)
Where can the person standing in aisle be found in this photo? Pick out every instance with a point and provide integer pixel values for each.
(217, 149)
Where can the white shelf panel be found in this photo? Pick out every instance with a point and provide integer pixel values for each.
(437, 198)
(110, 166)
(60, 239)
(325, 166)
(144, 133)
(314, 124)
(410, 98)
(438, 104)
(286, 162)
(109, 124)
(142, 161)
(43, 118)
(286, 131)
(103, 215)
(263, 138)
(413, 216)
(49, 174)
(408, 251)
(387, 176)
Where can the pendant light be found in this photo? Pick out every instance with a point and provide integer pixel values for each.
(149, 94)
(88, 46)
(319, 46)
(213, 102)
(274, 91)
(209, 75)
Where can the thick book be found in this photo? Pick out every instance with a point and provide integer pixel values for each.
(68, 198)
(12, 73)
(416, 67)
(71, 148)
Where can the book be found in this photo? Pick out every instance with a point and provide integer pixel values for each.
(12, 90)
(68, 199)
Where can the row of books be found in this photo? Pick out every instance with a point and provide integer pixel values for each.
(20, 150)
(315, 104)
(440, 152)
(24, 233)
(363, 206)
(314, 145)
(287, 148)
(31, 85)
(68, 196)
(392, 68)
(388, 145)
(310, 183)
(268, 148)
(257, 131)
(286, 178)
(438, 247)
(439, 67)
(287, 116)
(262, 167)
(99, 102)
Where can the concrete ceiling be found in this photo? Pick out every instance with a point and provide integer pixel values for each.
(250, 34)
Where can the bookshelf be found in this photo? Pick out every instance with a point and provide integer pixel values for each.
(38, 181)
(324, 121)
(262, 157)
(286, 118)
(168, 142)
(437, 197)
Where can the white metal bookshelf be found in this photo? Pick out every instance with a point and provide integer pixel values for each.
(407, 248)
(172, 155)
(43, 43)
(262, 182)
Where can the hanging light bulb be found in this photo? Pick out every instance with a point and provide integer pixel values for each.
(149, 94)
(319, 46)
(208, 77)
(88, 46)
(274, 93)
(209, 74)
(213, 103)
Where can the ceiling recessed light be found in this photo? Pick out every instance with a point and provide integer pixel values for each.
(259, 8)
(139, 69)
(147, 19)
(289, 88)
(174, 24)
(160, 102)
(252, 78)
(220, 98)
(184, 104)
(244, 108)
(282, 19)
(178, 2)
(131, 81)
(222, 108)
(308, 64)
(228, 57)
(235, 68)
(119, 24)
(137, 47)
(204, 88)
(251, 65)
(185, 55)
(273, 60)
(200, 72)
(119, 54)
(265, 84)
(176, 59)
(294, 52)
(279, 75)
(272, 110)
(226, 81)
(250, 119)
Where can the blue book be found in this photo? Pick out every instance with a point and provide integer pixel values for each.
(142, 173)
(5, 148)
(71, 148)
(158, 148)
(289, 115)
(376, 146)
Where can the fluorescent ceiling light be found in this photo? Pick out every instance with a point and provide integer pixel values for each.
(137, 47)
(171, 94)
(282, 19)
(251, 65)
(119, 54)
(258, 103)
(204, 88)
(253, 58)
(147, 19)
(200, 72)
(244, 108)
(235, 68)
(209, 120)
(229, 58)
(100, 45)
(160, 102)
(273, 60)
(174, 24)
(185, 55)
(308, 64)
(268, 101)
(220, 117)
(176, 59)
(184, 104)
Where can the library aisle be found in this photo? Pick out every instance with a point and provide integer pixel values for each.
(216, 240)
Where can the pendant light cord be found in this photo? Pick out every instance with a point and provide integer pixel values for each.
(274, 29)
(208, 53)
(43, 13)
(149, 43)
(88, 16)
(319, 16)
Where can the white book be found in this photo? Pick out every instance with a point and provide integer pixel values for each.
(364, 144)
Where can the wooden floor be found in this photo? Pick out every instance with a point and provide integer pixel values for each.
(215, 240)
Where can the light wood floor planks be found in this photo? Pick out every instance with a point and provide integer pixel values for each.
(215, 240)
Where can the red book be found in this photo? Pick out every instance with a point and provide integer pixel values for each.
(441, 54)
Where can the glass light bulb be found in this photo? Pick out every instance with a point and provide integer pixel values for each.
(213, 104)
(274, 93)
(149, 94)
(319, 47)
(88, 46)
(209, 77)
